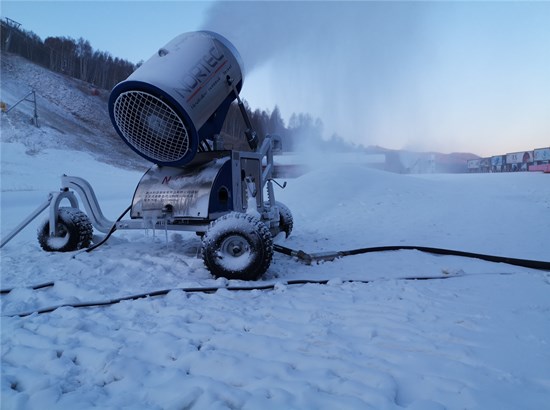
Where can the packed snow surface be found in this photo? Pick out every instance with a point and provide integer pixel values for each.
(479, 339)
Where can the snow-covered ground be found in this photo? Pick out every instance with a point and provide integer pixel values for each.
(480, 339)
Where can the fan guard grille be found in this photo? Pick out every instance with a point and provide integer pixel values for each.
(151, 126)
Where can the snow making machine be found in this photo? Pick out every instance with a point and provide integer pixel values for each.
(171, 111)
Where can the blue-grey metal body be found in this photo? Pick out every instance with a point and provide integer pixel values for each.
(216, 183)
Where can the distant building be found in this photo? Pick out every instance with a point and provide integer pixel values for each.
(498, 163)
(536, 160)
(541, 160)
(474, 165)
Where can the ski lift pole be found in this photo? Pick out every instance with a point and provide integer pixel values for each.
(26, 98)
(35, 109)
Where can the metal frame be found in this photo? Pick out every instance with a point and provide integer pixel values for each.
(252, 163)
(89, 200)
(53, 201)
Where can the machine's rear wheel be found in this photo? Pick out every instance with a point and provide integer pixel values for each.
(237, 246)
(74, 231)
(286, 221)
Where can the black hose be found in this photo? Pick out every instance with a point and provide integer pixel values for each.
(35, 287)
(111, 231)
(526, 263)
(213, 289)
(308, 258)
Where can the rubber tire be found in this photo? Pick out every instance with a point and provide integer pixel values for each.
(74, 225)
(254, 242)
(286, 223)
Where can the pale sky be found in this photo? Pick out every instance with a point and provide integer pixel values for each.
(442, 76)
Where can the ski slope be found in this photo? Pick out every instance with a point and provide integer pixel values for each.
(477, 340)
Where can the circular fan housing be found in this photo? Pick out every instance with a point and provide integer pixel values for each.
(177, 98)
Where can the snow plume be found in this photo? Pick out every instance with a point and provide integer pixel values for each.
(341, 62)
(325, 36)
(437, 75)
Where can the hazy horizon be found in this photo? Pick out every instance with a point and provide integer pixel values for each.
(429, 76)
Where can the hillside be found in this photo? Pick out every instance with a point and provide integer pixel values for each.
(71, 114)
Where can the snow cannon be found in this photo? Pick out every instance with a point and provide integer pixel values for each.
(178, 98)
(171, 111)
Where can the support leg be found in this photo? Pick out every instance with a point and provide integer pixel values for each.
(27, 221)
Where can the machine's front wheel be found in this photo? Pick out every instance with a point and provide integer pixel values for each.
(237, 246)
(74, 231)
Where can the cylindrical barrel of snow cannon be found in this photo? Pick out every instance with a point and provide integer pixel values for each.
(177, 98)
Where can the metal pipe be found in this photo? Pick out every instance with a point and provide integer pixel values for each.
(27, 221)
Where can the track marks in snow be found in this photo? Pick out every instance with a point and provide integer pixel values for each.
(386, 344)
